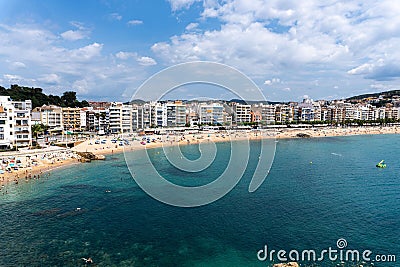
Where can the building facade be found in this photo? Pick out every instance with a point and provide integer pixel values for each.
(15, 123)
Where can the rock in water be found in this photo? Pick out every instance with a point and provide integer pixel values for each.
(100, 157)
(88, 156)
(303, 135)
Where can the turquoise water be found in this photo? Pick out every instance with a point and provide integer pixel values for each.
(299, 206)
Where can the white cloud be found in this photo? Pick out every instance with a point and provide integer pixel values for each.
(302, 42)
(55, 66)
(141, 60)
(73, 35)
(181, 4)
(125, 55)
(115, 16)
(50, 78)
(146, 61)
(272, 81)
(135, 22)
(267, 82)
(191, 26)
(362, 69)
(12, 78)
(18, 65)
(81, 86)
(87, 52)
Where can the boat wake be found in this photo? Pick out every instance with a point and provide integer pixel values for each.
(336, 154)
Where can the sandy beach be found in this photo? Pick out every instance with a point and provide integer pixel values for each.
(27, 166)
(224, 136)
(35, 164)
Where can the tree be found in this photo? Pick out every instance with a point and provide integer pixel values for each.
(38, 98)
(69, 98)
(84, 103)
(37, 129)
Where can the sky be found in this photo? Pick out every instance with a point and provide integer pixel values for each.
(105, 49)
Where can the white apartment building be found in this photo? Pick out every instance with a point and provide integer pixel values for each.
(96, 119)
(135, 117)
(379, 113)
(176, 114)
(350, 111)
(242, 113)
(15, 123)
(120, 118)
(227, 119)
(286, 113)
(158, 114)
(268, 113)
(50, 116)
(395, 111)
(211, 113)
(83, 119)
(144, 116)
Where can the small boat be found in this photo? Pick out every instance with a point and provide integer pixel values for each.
(381, 164)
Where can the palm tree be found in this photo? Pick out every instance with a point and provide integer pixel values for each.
(37, 129)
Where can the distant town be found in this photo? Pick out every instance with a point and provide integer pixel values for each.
(21, 124)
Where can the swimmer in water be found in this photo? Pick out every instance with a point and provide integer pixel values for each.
(89, 260)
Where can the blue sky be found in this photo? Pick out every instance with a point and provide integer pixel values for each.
(106, 49)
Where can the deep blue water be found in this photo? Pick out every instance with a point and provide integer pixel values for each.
(299, 206)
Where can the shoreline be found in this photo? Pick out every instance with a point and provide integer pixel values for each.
(53, 160)
(185, 139)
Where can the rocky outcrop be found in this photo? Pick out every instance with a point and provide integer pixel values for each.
(303, 135)
(89, 156)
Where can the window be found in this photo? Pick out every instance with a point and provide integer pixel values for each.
(2, 122)
(1, 136)
(1, 129)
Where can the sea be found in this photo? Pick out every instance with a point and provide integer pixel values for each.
(320, 194)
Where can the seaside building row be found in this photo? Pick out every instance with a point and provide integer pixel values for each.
(17, 117)
(117, 117)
